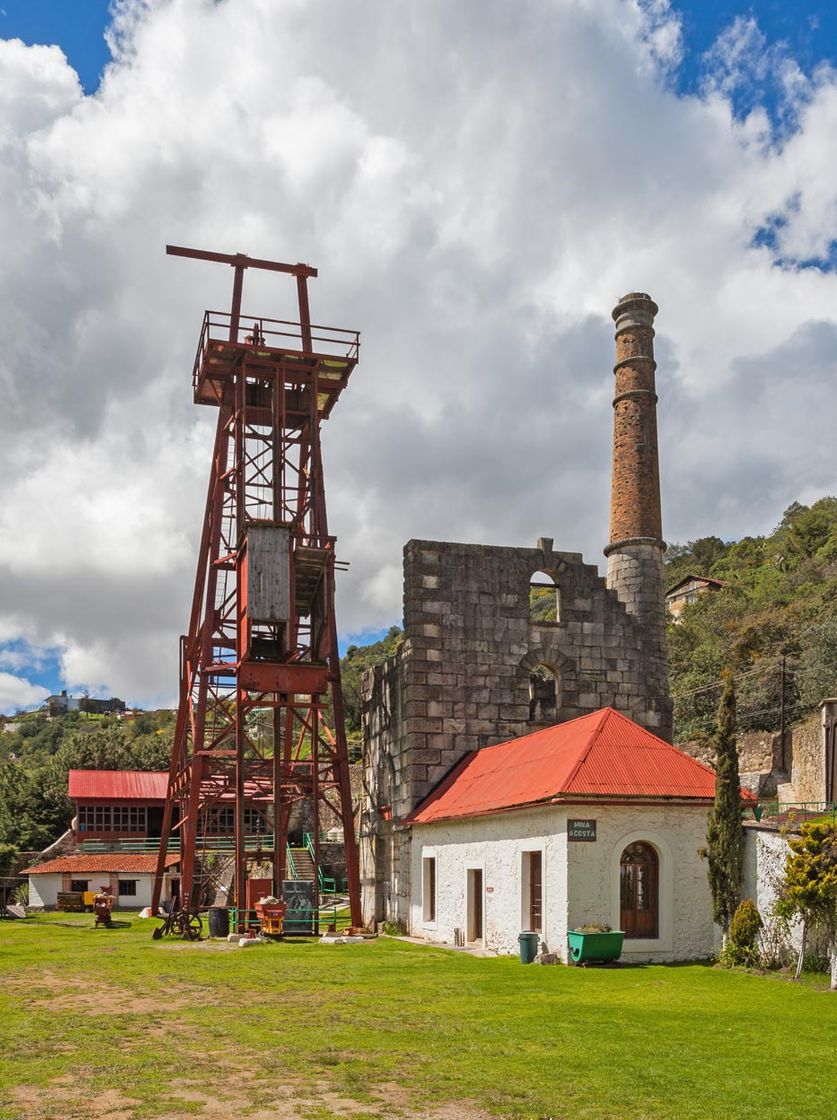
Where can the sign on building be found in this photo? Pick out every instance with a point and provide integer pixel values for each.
(581, 829)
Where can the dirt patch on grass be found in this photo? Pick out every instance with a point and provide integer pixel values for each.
(65, 1099)
(214, 945)
(51, 991)
(58, 1100)
(211, 1081)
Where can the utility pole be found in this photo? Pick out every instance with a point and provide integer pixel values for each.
(782, 715)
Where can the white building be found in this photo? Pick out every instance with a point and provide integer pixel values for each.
(129, 878)
(594, 821)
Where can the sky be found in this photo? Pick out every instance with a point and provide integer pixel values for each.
(478, 182)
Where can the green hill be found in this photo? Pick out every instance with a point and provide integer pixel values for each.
(352, 667)
(780, 599)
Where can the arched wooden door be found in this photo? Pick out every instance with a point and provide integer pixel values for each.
(639, 870)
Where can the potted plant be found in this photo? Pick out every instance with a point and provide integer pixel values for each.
(595, 942)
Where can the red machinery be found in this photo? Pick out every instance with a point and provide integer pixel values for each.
(260, 721)
(102, 908)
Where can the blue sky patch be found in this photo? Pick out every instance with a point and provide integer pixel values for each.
(77, 26)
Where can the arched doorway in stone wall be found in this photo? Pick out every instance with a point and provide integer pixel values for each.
(639, 890)
(544, 691)
(546, 675)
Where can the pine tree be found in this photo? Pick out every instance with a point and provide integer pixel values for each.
(809, 889)
(725, 838)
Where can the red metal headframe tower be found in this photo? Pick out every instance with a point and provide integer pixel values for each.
(260, 723)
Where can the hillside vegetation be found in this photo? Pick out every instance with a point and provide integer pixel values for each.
(780, 599)
(352, 667)
(36, 756)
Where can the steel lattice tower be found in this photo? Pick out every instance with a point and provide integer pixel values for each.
(260, 722)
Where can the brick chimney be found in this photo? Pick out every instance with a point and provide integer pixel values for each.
(635, 553)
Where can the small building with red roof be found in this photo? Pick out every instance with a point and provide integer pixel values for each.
(112, 841)
(114, 836)
(592, 821)
(114, 805)
(128, 877)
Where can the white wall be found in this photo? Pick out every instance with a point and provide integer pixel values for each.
(765, 852)
(145, 884)
(765, 855)
(43, 889)
(677, 832)
(580, 879)
(496, 844)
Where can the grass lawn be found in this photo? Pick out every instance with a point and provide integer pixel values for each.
(110, 1024)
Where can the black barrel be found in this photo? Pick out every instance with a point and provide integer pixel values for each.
(219, 921)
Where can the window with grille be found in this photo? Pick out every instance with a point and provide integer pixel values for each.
(128, 887)
(112, 818)
(221, 821)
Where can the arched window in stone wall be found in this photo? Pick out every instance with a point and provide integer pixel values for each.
(544, 599)
(544, 695)
(639, 877)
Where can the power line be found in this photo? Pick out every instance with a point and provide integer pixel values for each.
(776, 665)
(719, 683)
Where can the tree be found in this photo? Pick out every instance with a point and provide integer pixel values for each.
(809, 888)
(724, 834)
(34, 807)
(818, 660)
(352, 667)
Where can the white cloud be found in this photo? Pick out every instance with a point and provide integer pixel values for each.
(477, 182)
(17, 692)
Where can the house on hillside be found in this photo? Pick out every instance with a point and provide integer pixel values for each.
(129, 878)
(62, 703)
(687, 590)
(595, 820)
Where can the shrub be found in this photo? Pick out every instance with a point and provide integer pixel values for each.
(742, 946)
(394, 929)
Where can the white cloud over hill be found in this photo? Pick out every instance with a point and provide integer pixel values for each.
(478, 183)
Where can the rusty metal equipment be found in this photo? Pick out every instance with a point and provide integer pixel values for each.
(102, 909)
(260, 724)
(271, 915)
(180, 923)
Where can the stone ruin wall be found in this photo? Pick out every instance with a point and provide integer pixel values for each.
(382, 851)
(807, 753)
(761, 762)
(461, 681)
(757, 750)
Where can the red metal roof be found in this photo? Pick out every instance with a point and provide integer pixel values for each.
(123, 785)
(604, 754)
(92, 864)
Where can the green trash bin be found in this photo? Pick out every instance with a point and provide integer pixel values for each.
(528, 942)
